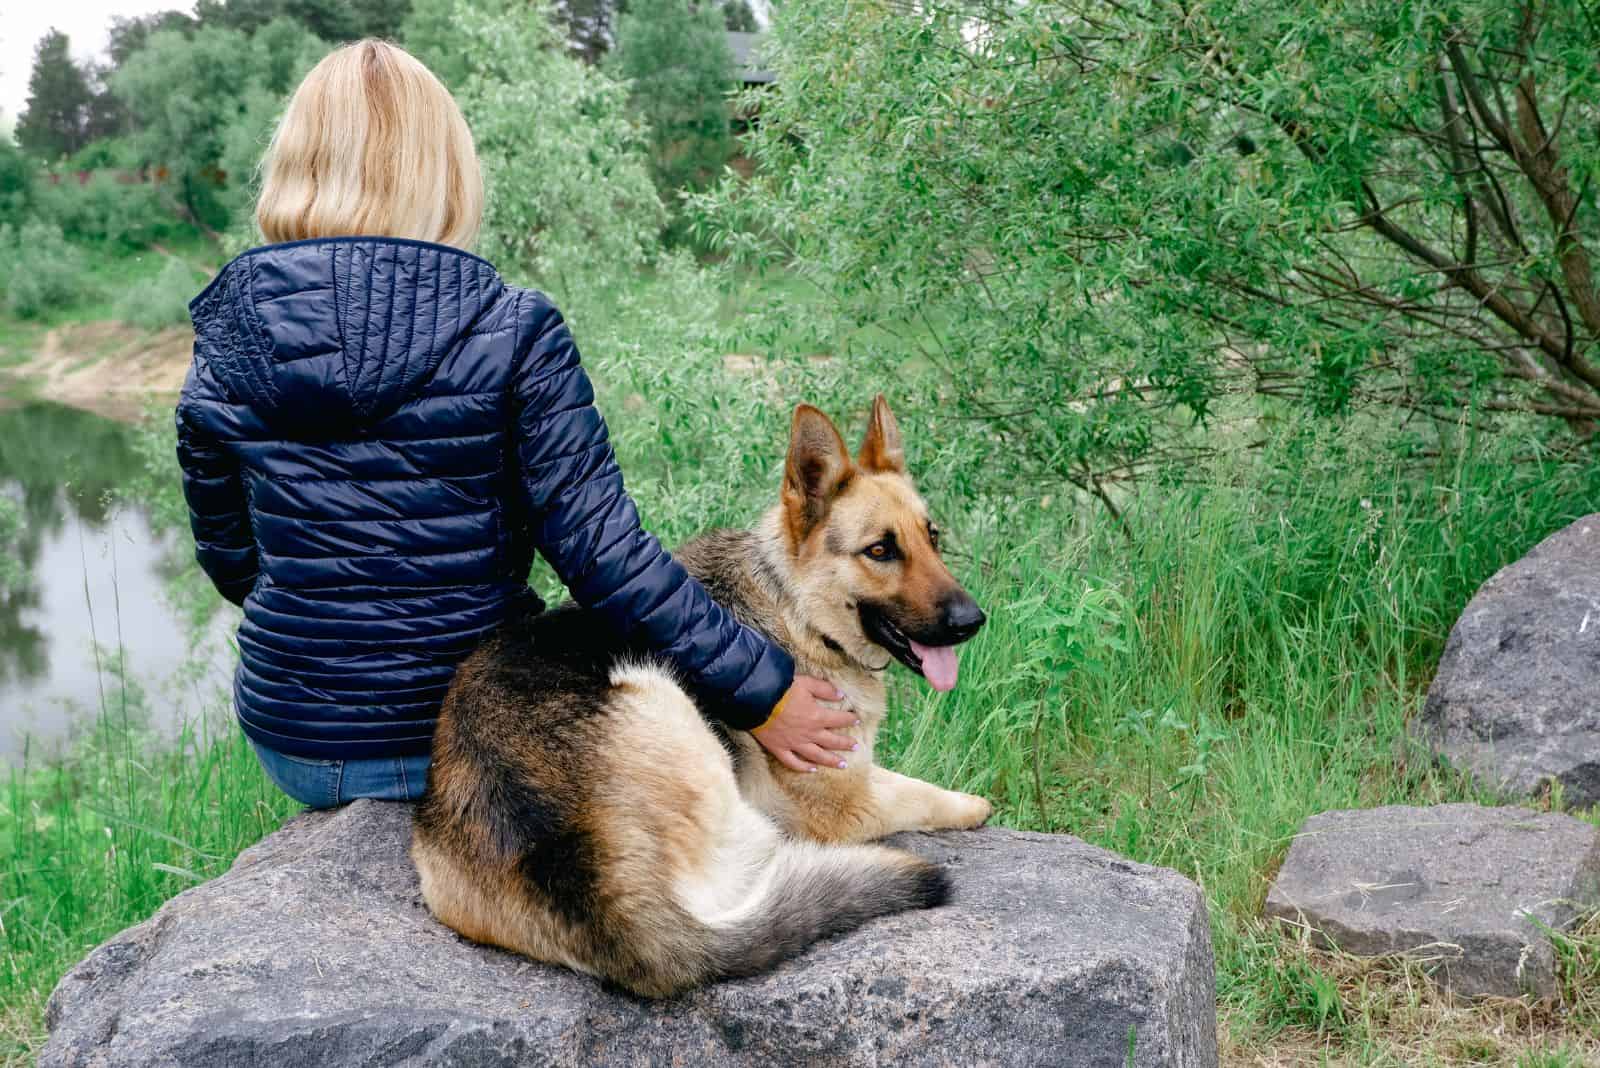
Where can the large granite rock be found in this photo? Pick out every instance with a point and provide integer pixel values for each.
(316, 949)
(1470, 891)
(1517, 697)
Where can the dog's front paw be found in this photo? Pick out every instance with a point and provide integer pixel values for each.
(970, 811)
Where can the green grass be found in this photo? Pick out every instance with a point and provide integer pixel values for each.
(19, 340)
(1189, 698)
(111, 274)
(1186, 693)
(95, 844)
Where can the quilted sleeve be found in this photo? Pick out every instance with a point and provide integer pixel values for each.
(218, 515)
(588, 529)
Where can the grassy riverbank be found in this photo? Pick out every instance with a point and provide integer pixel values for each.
(1185, 691)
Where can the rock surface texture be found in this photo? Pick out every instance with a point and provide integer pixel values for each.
(316, 949)
(1468, 890)
(1517, 697)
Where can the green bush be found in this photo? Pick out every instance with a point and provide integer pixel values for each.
(570, 199)
(105, 153)
(161, 299)
(674, 56)
(39, 269)
(18, 174)
(123, 215)
(1133, 218)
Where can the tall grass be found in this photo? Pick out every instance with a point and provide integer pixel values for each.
(96, 842)
(1251, 656)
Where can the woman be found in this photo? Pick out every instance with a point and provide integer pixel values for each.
(376, 436)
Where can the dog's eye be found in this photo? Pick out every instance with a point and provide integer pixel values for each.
(879, 550)
(933, 535)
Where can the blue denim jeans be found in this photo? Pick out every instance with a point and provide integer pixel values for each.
(326, 783)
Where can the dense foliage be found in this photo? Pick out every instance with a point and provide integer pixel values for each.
(18, 174)
(331, 20)
(105, 211)
(1140, 218)
(184, 104)
(39, 269)
(232, 84)
(181, 101)
(569, 191)
(674, 55)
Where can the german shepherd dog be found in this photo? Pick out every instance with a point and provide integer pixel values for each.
(581, 810)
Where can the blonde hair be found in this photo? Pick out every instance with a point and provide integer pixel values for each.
(373, 144)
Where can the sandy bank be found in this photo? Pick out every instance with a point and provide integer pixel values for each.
(109, 368)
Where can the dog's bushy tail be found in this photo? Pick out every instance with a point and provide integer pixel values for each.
(816, 891)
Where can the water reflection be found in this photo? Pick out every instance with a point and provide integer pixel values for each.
(87, 570)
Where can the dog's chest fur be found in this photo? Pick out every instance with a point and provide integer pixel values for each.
(736, 568)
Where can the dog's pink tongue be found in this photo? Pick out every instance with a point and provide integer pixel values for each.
(939, 665)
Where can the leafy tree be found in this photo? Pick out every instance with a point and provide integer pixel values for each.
(331, 20)
(129, 33)
(244, 141)
(17, 175)
(108, 115)
(186, 93)
(56, 119)
(1141, 215)
(569, 193)
(283, 51)
(105, 116)
(674, 54)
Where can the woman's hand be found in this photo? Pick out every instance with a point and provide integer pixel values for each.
(800, 732)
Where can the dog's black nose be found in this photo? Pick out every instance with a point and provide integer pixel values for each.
(961, 616)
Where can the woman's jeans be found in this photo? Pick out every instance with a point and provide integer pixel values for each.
(326, 783)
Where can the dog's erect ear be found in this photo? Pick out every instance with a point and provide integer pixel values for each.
(881, 450)
(817, 469)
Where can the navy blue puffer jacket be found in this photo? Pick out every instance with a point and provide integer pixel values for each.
(376, 436)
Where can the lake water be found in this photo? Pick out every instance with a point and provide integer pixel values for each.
(92, 571)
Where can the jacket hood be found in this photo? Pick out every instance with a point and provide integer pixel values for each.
(325, 335)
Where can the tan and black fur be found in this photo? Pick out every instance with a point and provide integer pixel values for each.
(582, 811)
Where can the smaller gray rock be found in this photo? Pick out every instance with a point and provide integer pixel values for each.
(1471, 891)
(1516, 700)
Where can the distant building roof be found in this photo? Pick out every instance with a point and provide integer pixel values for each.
(745, 66)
